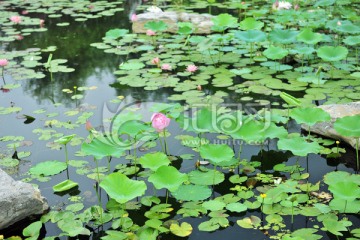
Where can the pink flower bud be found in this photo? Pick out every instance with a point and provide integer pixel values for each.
(3, 62)
(88, 125)
(159, 121)
(134, 17)
(150, 32)
(155, 61)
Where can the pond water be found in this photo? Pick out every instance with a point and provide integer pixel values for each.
(100, 87)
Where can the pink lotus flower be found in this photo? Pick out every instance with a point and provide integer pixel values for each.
(19, 37)
(296, 7)
(166, 67)
(88, 125)
(191, 68)
(155, 61)
(15, 19)
(24, 12)
(3, 62)
(42, 22)
(150, 32)
(159, 121)
(134, 17)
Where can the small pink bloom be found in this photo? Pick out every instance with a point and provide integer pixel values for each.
(296, 7)
(88, 125)
(19, 37)
(15, 19)
(159, 121)
(199, 87)
(134, 17)
(150, 32)
(166, 66)
(191, 68)
(24, 12)
(91, 7)
(155, 61)
(3, 62)
(42, 21)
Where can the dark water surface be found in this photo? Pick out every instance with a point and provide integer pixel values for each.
(95, 68)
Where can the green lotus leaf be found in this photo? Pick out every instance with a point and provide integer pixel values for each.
(211, 177)
(183, 230)
(116, 33)
(303, 50)
(249, 222)
(185, 28)
(48, 168)
(101, 147)
(216, 153)
(255, 132)
(236, 207)
(299, 146)
(250, 23)
(290, 100)
(275, 53)
(65, 139)
(336, 227)
(338, 204)
(214, 205)
(348, 126)
(348, 28)
(345, 190)
(306, 233)
(64, 185)
(122, 189)
(250, 36)
(309, 116)
(132, 65)
(223, 21)
(324, 3)
(332, 54)
(352, 40)
(283, 36)
(156, 25)
(167, 177)
(32, 231)
(154, 160)
(309, 37)
(192, 193)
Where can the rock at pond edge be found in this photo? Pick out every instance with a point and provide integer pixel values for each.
(201, 22)
(18, 201)
(336, 111)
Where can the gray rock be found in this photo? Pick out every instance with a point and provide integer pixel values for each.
(336, 111)
(202, 22)
(18, 201)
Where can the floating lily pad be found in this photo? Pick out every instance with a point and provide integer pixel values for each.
(48, 168)
(192, 193)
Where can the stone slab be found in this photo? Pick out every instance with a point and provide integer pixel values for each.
(336, 111)
(202, 22)
(18, 201)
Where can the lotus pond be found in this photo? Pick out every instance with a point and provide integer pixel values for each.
(181, 135)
